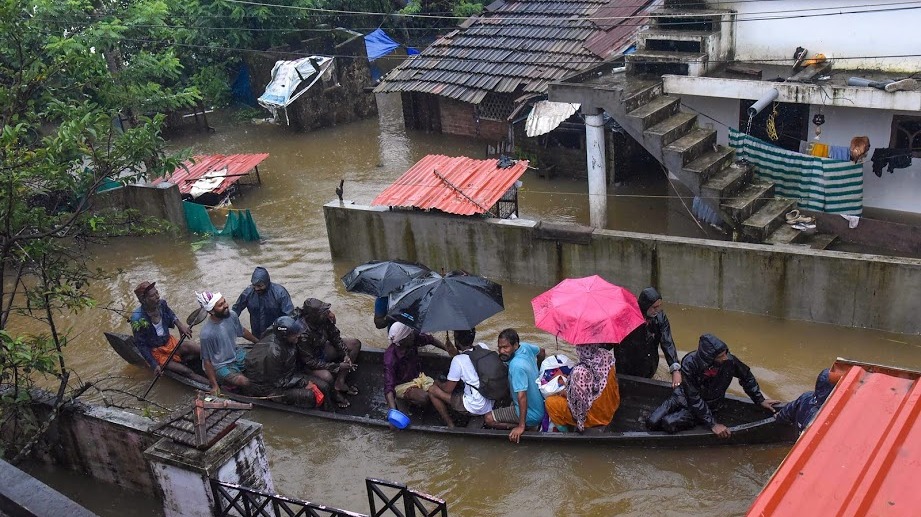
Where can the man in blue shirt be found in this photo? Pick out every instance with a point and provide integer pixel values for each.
(527, 409)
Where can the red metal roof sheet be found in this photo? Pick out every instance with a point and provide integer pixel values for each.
(860, 456)
(238, 165)
(480, 182)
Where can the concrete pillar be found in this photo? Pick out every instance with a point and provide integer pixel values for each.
(597, 175)
(183, 472)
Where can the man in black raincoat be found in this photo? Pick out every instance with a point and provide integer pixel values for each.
(803, 410)
(272, 370)
(266, 302)
(706, 375)
(638, 354)
(324, 353)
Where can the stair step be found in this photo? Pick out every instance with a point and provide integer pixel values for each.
(655, 111)
(821, 241)
(672, 128)
(746, 202)
(689, 147)
(638, 92)
(786, 234)
(728, 180)
(709, 163)
(665, 56)
(767, 219)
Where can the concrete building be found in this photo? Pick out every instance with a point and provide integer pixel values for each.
(700, 67)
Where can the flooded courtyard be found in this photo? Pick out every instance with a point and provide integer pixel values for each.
(327, 462)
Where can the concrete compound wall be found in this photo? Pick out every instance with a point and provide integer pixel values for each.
(791, 283)
(162, 201)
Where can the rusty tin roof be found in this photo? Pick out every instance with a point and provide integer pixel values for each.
(456, 185)
(860, 456)
(238, 165)
(519, 47)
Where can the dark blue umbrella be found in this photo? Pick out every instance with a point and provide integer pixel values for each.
(456, 301)
(380, 277)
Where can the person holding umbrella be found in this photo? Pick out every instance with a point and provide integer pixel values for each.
(379, 278)
(403, 375)
(592, 394)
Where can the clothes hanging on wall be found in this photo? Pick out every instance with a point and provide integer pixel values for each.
(840, 153)
(819, 150)
(891, 159)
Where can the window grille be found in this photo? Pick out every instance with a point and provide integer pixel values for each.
(496, 106)
(906, 134)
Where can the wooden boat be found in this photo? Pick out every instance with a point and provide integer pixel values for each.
(749, 423)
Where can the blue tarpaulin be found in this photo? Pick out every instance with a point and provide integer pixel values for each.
(379, 44)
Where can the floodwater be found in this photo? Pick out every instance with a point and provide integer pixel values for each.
(326, 462)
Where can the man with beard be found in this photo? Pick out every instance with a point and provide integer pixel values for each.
(706, 375)
(266, 301)
(324, 353)
(221, 359)
(638, 354)
(527, 409)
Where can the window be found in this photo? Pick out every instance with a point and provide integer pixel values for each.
(496, 106)
(906, 134)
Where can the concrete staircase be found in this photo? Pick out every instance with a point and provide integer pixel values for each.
(692, 42)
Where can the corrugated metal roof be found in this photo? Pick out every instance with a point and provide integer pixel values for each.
(547, 115)
(238, 165)
(534, 42)
(860, 456)
(468, 186)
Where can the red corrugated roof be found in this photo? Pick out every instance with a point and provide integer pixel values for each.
(861, 455)
(237, 166)
(481, 184)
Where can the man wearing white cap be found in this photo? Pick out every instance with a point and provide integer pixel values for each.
(221, 359)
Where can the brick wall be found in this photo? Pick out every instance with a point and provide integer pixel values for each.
(459, 118)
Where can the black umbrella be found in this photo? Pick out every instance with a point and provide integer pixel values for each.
(380, 277)
(457, 301)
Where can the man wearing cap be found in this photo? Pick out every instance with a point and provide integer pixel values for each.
(271, 366)
(265, 300)
(150, 324)
(323, 351)
(221, 359)
(403, 376)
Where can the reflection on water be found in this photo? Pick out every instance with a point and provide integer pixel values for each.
(327, 462)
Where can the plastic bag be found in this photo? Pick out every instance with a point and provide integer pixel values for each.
(554, 373)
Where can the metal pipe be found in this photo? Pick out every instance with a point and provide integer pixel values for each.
(860, 81)
(761, 103)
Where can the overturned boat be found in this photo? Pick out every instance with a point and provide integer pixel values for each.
(749, 423)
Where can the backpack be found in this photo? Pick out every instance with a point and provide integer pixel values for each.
(493, 373)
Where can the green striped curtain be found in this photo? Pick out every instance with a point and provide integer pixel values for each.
(815, 183)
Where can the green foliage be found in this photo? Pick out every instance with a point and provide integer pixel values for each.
(465, 9)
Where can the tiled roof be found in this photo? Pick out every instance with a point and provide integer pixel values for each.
(519, 47)
(458, 185)
(238, 165)
(860, 456)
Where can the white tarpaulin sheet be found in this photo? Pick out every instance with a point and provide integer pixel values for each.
(208, 182)
(287, 77)
(547, 116)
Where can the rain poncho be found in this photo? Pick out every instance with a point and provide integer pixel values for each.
(638, 354)
(803, 410)
(703, 387)
(263, 308)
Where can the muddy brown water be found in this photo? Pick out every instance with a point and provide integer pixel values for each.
(327, 462)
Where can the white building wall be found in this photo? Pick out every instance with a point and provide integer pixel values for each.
(900, 190)
(767, 31)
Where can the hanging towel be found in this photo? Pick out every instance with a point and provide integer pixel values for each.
(820, 150)
(816, 183)
(842, 153)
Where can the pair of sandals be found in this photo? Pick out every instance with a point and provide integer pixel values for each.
(799, 221)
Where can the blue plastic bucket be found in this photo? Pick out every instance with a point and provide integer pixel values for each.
(397, 419)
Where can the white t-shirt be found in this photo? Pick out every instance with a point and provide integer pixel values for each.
(462, 370)
(161, 331)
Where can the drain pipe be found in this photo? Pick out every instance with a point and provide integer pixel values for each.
(763, 102)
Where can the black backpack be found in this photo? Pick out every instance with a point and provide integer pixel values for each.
(493, 373)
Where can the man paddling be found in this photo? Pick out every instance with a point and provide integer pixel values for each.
(150, 324)
(221, 358)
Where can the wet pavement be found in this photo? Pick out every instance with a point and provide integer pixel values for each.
(327, 462)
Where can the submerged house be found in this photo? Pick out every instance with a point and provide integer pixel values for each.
(482, 79)
(759, 109)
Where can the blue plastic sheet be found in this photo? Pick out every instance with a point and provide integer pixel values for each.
(379, 44)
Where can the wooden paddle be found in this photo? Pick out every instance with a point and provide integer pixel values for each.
(197, 316)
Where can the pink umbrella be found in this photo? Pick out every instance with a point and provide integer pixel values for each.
(587, 310)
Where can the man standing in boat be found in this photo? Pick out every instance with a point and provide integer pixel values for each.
(403, 375)
(323, 351)
(706, 375)
(266, 302)
(221, 358)
(527, 409)
(150, 324)
(638, 354)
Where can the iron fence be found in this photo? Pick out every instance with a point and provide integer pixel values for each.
(394, 499)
